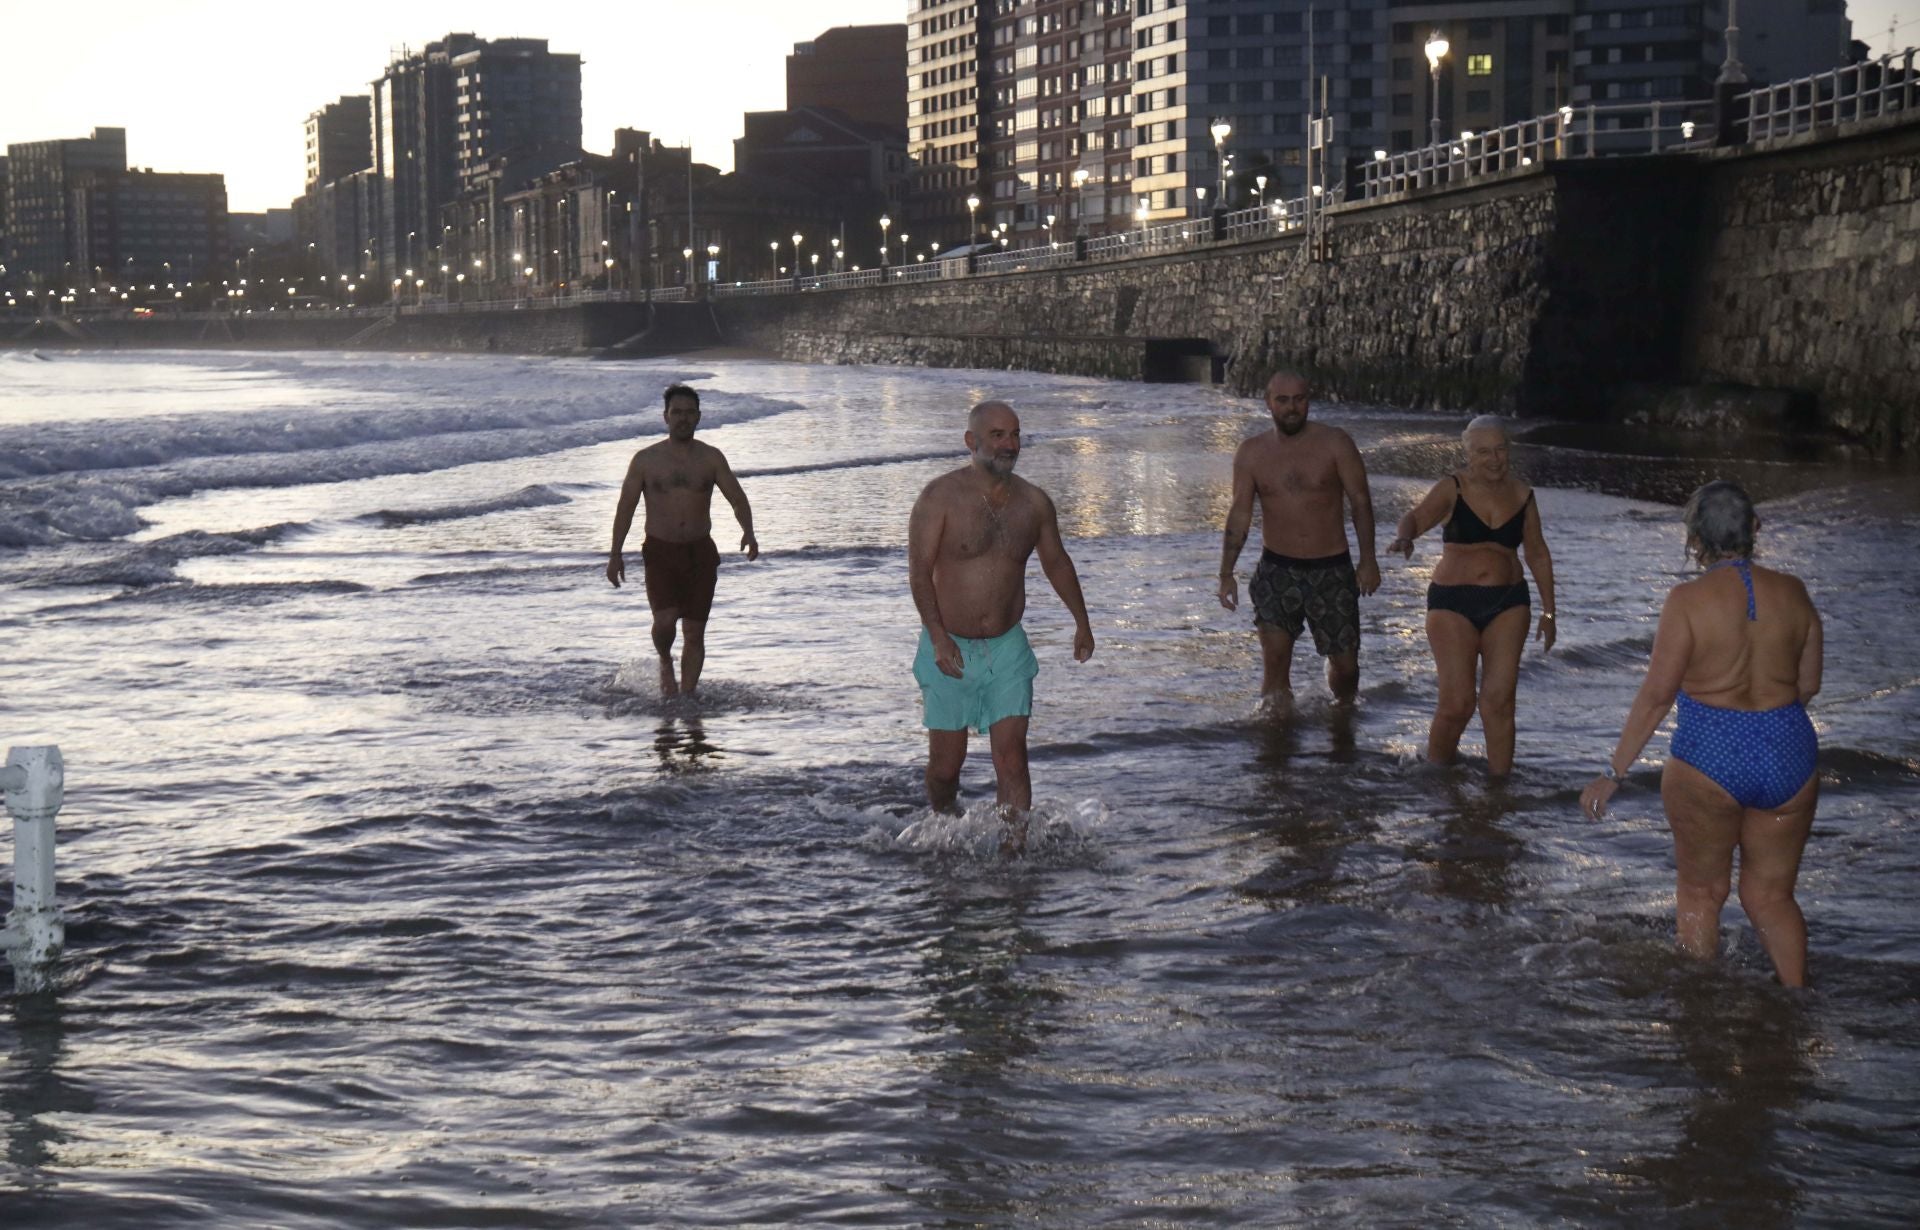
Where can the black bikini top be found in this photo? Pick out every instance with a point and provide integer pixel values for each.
(1465, 525)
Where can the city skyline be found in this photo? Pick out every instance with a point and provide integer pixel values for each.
(270, 73)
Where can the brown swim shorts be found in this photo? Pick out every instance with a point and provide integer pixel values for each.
(681, 576)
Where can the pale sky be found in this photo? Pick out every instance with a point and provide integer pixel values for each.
(226, 85)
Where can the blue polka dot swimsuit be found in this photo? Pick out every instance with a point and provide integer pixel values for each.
(1762, 758)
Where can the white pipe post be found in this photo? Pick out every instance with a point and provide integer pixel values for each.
(35, 784)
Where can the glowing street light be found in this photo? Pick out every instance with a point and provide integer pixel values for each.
(1221, 130)
(886, 222)
(973, 226)
(1437, 48)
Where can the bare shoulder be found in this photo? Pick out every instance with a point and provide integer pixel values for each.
(1031, 494)
(710, 455)
(1329, 436)
(1785, 583)
(940, 490)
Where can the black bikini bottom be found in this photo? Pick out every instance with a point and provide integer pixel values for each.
(1481, 604)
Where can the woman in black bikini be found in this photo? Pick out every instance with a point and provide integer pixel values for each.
(1477, 606)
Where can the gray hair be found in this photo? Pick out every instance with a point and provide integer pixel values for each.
(1719, 521)
(1486, 422)
(978, 414)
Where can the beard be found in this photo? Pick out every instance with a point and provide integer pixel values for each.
(1290, 426)
(999, 464)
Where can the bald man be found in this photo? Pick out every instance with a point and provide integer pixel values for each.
(968, 542)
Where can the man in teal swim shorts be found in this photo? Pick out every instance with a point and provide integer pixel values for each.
(968, 543)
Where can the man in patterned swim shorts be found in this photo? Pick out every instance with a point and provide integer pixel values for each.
(1302, 473)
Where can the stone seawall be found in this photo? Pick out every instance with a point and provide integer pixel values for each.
(1810, 281)
(1539, 292)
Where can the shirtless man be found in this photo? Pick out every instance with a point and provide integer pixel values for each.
(678, 476)
(968, 542)
(1301, 471)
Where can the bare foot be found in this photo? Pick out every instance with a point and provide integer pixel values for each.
(1013, 841)
(1278, 705)
(669, 686)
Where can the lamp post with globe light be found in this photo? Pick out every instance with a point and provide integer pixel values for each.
(1437, 48)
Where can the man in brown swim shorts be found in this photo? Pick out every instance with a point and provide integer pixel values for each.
(678, 476)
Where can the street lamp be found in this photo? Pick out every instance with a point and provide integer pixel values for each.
(686, 254)
(773, 246)
(1049, 230)
(973, 227)
(1437, 47)
(904, 237)
(1201, 195)
(1260, 184)
(713, 261)
(885, 222)
(835, 241)
(796, 257)
(1080, 192)
(1221, 130)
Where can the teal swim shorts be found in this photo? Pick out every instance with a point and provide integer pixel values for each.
(996, 681)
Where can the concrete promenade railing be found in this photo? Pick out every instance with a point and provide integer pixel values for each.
(1845, 95)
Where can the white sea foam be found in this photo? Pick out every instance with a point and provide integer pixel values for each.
(70, 480)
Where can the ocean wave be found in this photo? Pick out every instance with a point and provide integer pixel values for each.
(92, 493)
(539, 495)
(153, 563)
(1629, 651)
(847, 463)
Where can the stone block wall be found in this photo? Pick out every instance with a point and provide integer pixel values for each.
(1810, 281)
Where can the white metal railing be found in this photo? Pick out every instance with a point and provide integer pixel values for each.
(1594, 130)
(769, 286)
(1845, 95)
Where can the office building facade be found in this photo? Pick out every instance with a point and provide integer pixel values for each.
(1506, 61)
(44, 244)
(339, 139)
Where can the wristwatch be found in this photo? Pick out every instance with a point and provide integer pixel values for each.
(1609, 774)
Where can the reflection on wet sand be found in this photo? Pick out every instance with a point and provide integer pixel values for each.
(681, 744)
(1747, 1049)
(1474, 856)
(34, 1088)
(985, 1015)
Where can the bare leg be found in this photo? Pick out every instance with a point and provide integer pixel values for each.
(1706, 827)
(1343, 676)
(1771, 843)
(693, 655)
(663, 631)
(946, 752)
(1012, 781)
(1500, 647)
(1456, 654)
(1276, 669)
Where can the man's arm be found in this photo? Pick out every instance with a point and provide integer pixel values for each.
(1239, 522)
(924, 528)
(1058, 565)
(1353, 480)
(742, 512)
(630, 492)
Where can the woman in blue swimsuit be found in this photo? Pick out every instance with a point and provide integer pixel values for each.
(1478, 604)
(1739, 648)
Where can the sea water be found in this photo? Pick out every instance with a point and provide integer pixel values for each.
(397, 895)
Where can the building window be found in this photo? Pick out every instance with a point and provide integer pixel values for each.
(1479, 66)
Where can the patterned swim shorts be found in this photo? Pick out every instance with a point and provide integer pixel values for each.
(1322, 594)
